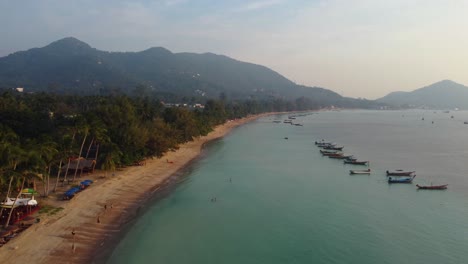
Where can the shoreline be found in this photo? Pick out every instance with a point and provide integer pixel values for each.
(102, 214)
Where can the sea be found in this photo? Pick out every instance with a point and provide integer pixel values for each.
(265, 194)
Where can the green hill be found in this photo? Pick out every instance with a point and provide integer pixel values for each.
(445, 94)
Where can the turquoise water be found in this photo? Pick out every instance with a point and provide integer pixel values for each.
(280, 201)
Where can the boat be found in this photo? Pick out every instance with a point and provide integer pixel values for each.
(368, 171)
(466, 122)
(432, 187)
(341, 156)
(401, 179)
(337, 154)
(400, 173)
(276, 121)
(333, 147)
(356, 162)
(323, 145)
(323, 142)
(328, 151)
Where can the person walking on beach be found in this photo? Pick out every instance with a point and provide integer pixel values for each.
(73, 234)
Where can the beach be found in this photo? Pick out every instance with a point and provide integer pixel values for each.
(87, 226)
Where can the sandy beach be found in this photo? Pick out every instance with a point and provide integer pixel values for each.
(100, 213)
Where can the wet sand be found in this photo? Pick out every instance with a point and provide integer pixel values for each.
(99, 215)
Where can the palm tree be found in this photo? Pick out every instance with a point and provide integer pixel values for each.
(13, 206)
(112, 157)
(85, 130)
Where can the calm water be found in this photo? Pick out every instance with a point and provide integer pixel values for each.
(286, 203)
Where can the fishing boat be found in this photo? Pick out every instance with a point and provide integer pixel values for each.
(356, 162)
(400, 173)
(324, 145)
(368, 171)
(328, 151)
(331, 147)
(401, 179)
(432, 187)
(342, 156)
(337, 154)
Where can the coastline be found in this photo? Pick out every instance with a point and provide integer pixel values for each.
(101, 214)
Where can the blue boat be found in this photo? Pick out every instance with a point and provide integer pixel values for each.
(401, 179)
(71, 193)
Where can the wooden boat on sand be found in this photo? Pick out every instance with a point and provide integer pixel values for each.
(432, 187)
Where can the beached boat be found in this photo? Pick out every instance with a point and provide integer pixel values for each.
(400, 173)
(401, 179)
(356, 162)
(432, 187)
(368, 171)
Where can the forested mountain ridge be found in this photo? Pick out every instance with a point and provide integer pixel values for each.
(445, 94)
(72, 66)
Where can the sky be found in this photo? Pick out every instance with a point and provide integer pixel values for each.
(357, 48)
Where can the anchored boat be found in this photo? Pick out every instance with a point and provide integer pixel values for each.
(400, 173)
(432, 187)
(368, 171)
(401, 179)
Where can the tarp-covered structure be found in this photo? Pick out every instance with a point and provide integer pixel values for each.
(80, 164)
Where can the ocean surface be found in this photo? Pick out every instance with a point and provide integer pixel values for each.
(280, 201)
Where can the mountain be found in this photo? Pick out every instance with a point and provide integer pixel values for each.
(72, 66)
(445, 94)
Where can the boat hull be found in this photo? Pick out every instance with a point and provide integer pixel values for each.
(400, 180)
(360, 172)
(400, 173)
(435, 187)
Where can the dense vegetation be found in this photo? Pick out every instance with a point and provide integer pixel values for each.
(39, 131)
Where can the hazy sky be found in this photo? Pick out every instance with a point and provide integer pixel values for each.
(358, 48)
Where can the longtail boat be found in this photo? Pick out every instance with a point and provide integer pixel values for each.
(333, 147)
(336, 154)
(401, 179)
(328, 151)
(432, 187)
(356, 162)
(400, 173)
(341, 156)
(368, 171)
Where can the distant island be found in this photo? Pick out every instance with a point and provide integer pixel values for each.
(445, 94)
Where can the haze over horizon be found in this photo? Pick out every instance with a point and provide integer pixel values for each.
(362, 48)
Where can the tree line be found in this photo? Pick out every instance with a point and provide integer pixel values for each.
(40, 132)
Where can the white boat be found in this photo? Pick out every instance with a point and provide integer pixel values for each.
(368, 171)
